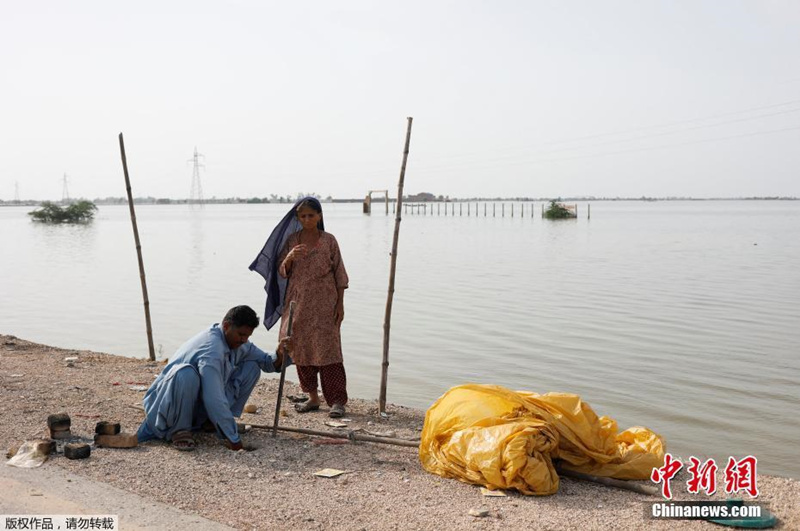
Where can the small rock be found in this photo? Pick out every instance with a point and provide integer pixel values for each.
(479, 513)
(251, 408)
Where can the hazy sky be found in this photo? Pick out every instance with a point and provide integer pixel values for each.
(509, 98)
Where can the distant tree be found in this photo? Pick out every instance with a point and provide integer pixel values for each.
(78, 212)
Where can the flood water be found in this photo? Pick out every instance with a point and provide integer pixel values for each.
(679, 316)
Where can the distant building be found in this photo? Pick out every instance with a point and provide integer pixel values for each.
(421, 197)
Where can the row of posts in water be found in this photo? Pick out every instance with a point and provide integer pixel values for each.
(441, 208)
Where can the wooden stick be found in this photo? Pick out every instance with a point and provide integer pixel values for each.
(390, 295)
(138, 251)
(354, 436)
(283, 374)
(350, 434)
(609, 482)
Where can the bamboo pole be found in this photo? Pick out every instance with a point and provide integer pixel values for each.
(355, 436)
(393, 268)
(283, 374)
(138, 251)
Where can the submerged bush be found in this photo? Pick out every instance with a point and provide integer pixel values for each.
(79, 212)
(558, 211)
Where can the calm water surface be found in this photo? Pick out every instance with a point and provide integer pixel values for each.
(680, 316)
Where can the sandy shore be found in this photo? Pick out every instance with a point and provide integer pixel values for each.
(273, 486)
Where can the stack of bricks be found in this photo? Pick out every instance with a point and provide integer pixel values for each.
(59, 426)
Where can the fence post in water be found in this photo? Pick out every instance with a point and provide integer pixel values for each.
(138, 251)
(589, 211)
(512, 210)
(393, 268)
(460, 208)
(494, 210)
(439, 209)
(484, 210)
(469, 209)
(542, 210)
(503, 210)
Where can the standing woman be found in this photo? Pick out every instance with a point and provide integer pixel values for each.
(302, 263)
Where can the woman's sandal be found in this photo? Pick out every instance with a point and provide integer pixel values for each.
(337, 411)
(305, 407)
(183, 441)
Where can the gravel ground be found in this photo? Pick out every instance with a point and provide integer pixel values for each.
(273, 486)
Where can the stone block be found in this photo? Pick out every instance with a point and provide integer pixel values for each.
(121, 440)
(77, 450)
(107, 428)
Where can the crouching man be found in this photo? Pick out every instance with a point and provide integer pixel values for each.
(207, 383)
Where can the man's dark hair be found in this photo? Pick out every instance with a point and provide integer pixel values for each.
(242, 316)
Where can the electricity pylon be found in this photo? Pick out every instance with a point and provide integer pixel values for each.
(196, 194)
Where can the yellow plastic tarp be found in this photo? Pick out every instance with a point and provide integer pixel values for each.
(502, 439)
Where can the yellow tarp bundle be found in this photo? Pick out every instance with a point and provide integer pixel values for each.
(489, 435)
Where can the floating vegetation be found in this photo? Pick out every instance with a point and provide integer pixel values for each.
(558, 210)
(78, 212)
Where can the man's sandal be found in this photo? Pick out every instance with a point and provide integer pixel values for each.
(306, 407)
(337, 411)
(183, 441)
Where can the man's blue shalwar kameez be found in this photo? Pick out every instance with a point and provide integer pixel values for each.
(204, 380)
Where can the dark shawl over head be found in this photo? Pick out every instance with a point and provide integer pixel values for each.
(266, 263)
